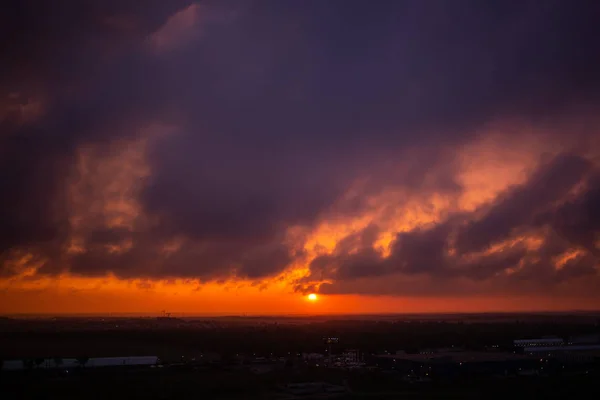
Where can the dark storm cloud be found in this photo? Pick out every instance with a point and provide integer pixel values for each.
(278, 110)
(55, 51)
(542, 205)
(353, 256)
(209, 260)
(53, 44)
(578, 220)
(549, 184)
(30, 210)
(323, 95)
(421, 250)
(102, 237)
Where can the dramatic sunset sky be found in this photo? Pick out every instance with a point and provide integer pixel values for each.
(234, 156)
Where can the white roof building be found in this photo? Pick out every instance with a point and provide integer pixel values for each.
(547, 341)
(51, 363)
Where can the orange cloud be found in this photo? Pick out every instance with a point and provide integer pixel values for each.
(104, 193)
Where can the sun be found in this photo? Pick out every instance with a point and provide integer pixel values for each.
(312, 297)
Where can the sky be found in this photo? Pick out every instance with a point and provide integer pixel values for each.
(234, 156)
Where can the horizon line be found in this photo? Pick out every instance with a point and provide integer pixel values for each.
(175, 314)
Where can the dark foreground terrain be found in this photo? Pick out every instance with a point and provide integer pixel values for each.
(235, 358)
(200, 384)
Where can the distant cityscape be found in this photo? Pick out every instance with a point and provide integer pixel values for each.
(471, 358)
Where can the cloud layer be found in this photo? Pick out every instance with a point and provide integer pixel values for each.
(408, 147)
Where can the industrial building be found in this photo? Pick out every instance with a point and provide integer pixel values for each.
(578, 349)
(589, 353)
(454, 364)
(541, 342)
(66, 363)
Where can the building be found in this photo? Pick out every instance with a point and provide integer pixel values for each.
(66, 363)
(122, 361)
(581, 354)
(454, 364)
(585, 339)
(542, 342)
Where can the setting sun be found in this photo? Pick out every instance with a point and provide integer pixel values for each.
(312, 297)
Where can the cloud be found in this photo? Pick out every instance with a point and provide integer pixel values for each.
(178, 29)
(86, 95)
(578, 220)
(541, 231)
(413, 140)
(548, 185)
